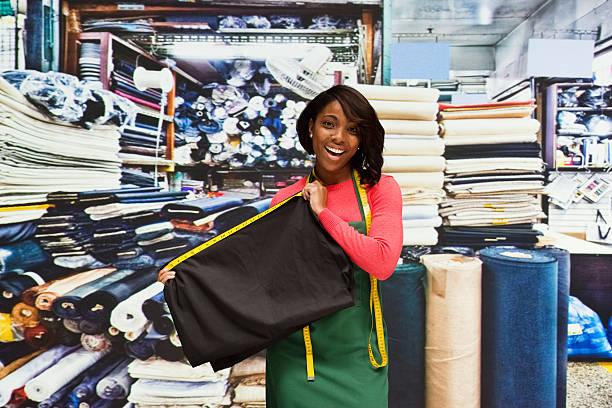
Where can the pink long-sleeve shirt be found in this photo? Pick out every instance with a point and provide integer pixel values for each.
(376, 253)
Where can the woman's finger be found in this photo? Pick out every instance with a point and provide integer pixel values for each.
(165, 274)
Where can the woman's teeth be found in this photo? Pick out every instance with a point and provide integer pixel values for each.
(333, 150)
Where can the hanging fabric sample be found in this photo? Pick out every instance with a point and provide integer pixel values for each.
(257, 285)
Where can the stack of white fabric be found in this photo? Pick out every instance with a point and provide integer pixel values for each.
(40, 154)
(249, 378)
(493, 164)
(161, 383)
(413, 154)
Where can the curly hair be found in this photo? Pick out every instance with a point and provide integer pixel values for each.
(368, 160)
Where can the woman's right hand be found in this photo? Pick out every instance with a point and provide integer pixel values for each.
(164, 275)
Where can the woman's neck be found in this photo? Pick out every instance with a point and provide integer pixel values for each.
(328, 178)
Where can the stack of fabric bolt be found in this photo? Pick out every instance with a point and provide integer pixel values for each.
(249, 379)
(412, 155)
(493, 174)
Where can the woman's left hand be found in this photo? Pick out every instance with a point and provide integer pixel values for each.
(316, 193)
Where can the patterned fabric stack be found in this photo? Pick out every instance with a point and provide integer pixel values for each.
(493, 174)
(413, 154)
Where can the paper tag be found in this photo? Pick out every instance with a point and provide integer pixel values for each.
(574, 329)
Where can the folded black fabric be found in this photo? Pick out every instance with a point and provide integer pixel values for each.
(518, 235)
(257, 285)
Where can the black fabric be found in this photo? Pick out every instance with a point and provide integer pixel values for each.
(257, 286)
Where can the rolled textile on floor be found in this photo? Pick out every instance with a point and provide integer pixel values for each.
(128, 315)
(116, 384)
(476, 127)
(12, 285)
(420, 236)
(453, 331)
(563, 284)
(425, 111)
(55, 377)
(519, 328)
(413, 164)
(424, 180)
(404, 303)
(18, 363)
(413, 147)
(397, 93)
(410, 127)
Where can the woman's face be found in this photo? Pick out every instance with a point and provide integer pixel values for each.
(335, 140)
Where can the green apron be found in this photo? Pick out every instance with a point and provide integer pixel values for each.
(344, 376)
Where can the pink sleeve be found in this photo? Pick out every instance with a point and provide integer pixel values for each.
(378, 252)
(289, 191)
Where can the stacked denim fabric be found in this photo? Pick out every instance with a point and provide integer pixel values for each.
(42, 119)
(493, 174)
(412, 155)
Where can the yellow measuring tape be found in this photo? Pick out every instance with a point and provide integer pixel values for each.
(375, 308)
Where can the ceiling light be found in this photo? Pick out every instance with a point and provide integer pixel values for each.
(485, 15)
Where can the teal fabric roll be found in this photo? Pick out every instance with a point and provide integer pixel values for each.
(403, 296)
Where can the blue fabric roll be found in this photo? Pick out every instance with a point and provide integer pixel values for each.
(563, 284)
(404, 307)
(21, 256)
(19, 231)
(519, 328)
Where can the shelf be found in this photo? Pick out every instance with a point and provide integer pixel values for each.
(164, 164)
(143, 110)
(584, 109)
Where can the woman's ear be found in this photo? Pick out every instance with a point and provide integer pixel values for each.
(310, 126)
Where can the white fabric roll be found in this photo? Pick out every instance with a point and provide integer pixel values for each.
(127, 316)
(116, 384)
(31, 369)
(410, 127)
(399, 164)
(45, 384)
(420, 236)
(413, 147)
(453, 331)
(475, 127)
(405, 110)
(397, 93)
(429, 180)
(413, 212)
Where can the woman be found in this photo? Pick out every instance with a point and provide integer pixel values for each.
(342, 130)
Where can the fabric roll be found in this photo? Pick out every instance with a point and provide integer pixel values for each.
(404, 297)
(18, 363)
(519, 328)
(563, 284)
(155, 306)
(141, 348)
(410, 127)
(68, 305)
(195, 209)
(25, 315)
(167, 350)
(476, 127)
(60, 397)
(39, 336)
(452, 351)
(14, 232)
(397, 93)
(164, 324)
(211, 339)
(12, 285)
(66, 337)
(46, 297)
(31, 369)
(413, 147)
(425, 180)
(413, 164)
(127, 315)
(98, 305)
(51, 380)
(420, 236)
(21, 256)
(96, 342)
(405, 110)
(87, 386)
(10, 352)
(116, 384)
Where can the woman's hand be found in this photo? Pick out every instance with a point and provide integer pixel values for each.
(164, 275)
(316, 193)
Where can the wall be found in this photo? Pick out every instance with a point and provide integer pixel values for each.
(553, 20)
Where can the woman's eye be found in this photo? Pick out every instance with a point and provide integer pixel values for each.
(354, 130)
(328, 123)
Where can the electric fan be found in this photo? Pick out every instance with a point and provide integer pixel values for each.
(307, 77)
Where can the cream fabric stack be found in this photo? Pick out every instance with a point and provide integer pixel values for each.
(249, 378)
(493, 164)
(413, 154)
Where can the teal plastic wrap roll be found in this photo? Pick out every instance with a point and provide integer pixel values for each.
(403, 296)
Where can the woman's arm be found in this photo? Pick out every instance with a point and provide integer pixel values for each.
(378, 252)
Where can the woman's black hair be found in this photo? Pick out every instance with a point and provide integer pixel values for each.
(368, 160)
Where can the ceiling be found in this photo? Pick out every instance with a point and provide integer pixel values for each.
(459, 22)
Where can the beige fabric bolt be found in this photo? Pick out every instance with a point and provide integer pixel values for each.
(509, 112)
(405, 110)
(397, 93)
(413, 147)
(413, 163)
(453, 331)
(476, 127)
(410, 127)
(423, 180)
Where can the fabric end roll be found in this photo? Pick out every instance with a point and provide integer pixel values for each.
(169, 351)
(67, 307)
(96, 342)
(453, 330)
(25, 315)
(39, 337)
(92, 327)
(519, 326)
(116, 384)
(164, 324)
